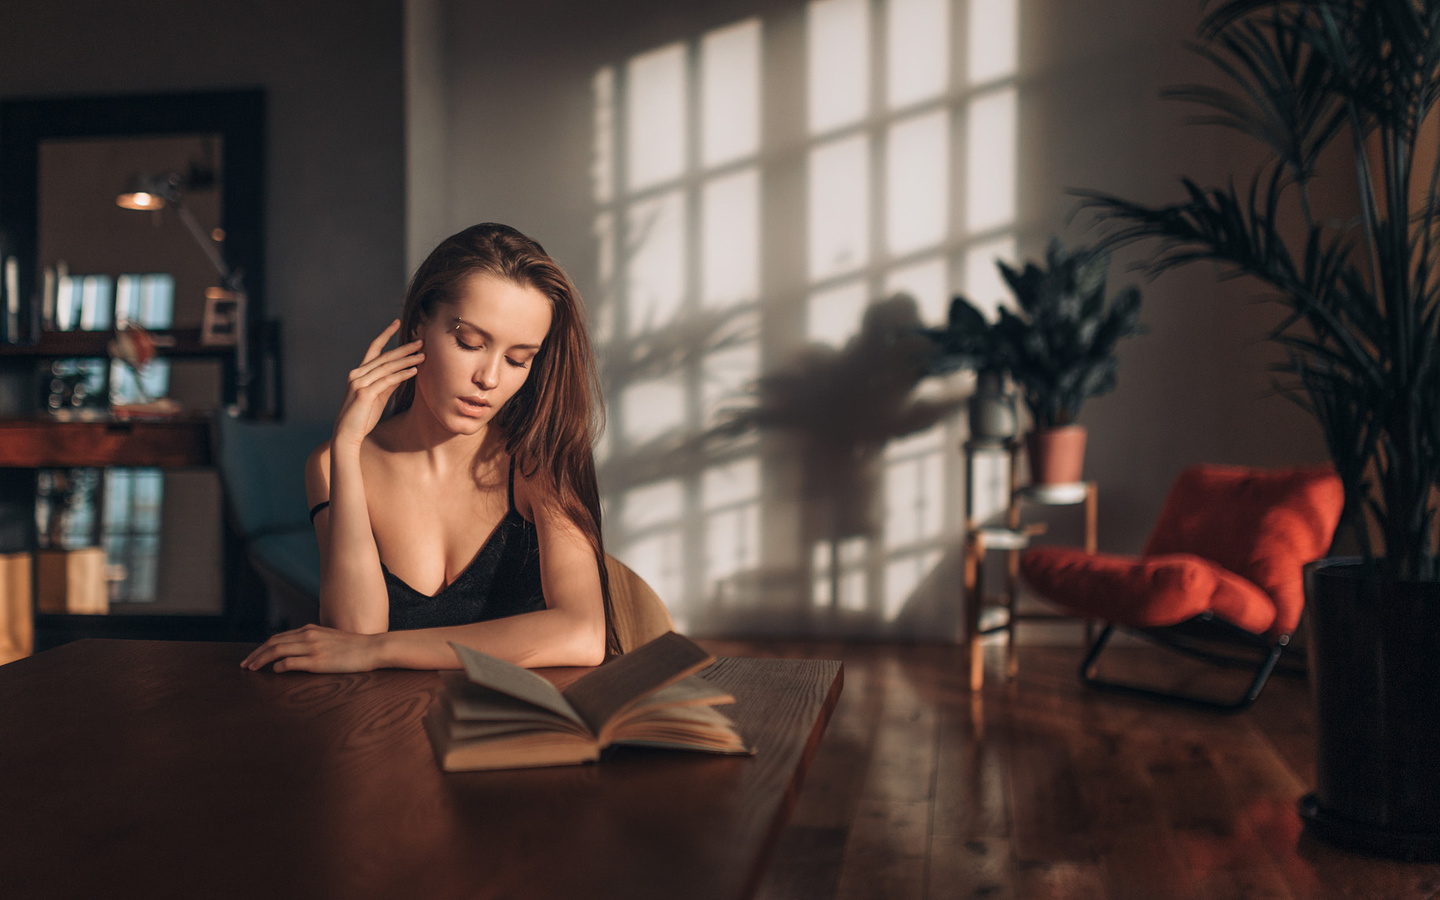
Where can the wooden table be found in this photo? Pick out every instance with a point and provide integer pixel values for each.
(162, 769)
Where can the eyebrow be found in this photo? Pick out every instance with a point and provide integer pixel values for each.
(490, 337)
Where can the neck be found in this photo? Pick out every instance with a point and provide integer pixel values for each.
(418, 432)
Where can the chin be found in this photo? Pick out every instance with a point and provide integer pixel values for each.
(465, 424)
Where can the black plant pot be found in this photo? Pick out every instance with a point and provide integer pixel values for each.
(1375, 672)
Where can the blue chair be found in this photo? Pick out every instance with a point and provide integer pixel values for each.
(262, 470)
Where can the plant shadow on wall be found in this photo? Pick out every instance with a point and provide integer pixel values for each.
(842, 407)
(1357, 79)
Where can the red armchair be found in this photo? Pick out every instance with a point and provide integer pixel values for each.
(1225, 559)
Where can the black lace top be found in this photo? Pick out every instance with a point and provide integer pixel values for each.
(502, 580)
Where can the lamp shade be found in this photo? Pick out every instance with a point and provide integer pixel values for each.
(144, 191)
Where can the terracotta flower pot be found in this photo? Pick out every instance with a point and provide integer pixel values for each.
(1057, 455)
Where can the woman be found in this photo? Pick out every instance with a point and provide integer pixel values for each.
(471, 513)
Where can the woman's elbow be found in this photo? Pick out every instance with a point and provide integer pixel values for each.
(587, 642)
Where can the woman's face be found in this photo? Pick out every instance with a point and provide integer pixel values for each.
(478, 351)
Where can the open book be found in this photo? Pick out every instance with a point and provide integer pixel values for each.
(500, 716)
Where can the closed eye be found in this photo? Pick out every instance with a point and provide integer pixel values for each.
(514, 363)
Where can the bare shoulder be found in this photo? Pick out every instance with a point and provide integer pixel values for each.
(527, 493)
(535, 497)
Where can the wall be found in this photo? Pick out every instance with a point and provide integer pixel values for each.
(333, 76)
(519, 101)
(332, 72)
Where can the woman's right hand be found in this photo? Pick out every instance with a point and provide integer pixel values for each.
(371, 384)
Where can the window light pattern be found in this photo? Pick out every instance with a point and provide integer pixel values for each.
(901, 165)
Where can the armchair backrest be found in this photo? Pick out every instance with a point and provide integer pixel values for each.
(638, 613)
(262, 468)
(1262, 524)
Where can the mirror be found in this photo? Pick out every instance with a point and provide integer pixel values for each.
(62, 163)
(156, 533)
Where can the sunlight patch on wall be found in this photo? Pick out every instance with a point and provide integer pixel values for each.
(839, 207)
(926, 282)
(838, 57)
(652, 409)
(730, 495)
(656, 119)
(917, 182)
(983, 284)
(730, 93)
(730, 239)
(903, 574)
(602, 156)
(833, 315)
(655, 283)
(725, 375)
(650, 515)
(839, 576)
(917, 50)
(913, 512)
(993, 47)
(908, 145)
(990, 160)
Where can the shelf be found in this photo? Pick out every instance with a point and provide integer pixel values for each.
(1055, 494)
(43, 442)
(176, 342)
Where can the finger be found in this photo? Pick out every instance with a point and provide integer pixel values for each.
(278, 646)
(382, 384)
(385, 365)
(309, 662)
(409, 356)
(379, 343)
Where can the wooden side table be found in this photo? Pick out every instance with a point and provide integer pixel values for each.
(1011, 538)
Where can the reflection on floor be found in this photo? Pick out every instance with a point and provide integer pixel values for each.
(1040, 789)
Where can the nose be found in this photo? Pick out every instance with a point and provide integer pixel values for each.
(487, 375)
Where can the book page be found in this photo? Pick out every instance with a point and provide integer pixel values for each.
(517, 750)
(624, 681)
(691, 691)
(507, 678)
(682, 728)
(675, 700)
(470, 703)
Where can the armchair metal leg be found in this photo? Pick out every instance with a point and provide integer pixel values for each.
(1262, 674)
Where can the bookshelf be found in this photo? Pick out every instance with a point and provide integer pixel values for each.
(222, 134)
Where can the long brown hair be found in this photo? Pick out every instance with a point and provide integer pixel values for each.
(551, 423)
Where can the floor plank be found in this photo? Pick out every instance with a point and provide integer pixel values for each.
(1037, 788)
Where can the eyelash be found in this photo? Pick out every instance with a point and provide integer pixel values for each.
(464, 346)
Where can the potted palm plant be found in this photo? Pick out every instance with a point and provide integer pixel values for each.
(1058, 348)
(1361, 332)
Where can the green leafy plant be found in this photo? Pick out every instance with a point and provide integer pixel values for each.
(1362, 324)
(1059, 348)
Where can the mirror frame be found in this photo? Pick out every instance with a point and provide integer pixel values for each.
(238, 116)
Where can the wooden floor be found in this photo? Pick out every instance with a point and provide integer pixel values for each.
(1038, 788)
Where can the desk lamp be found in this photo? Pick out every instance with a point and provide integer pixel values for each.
(155, 192)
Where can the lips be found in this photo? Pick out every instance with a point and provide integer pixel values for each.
(474, 406)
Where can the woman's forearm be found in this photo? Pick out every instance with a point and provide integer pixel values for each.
(352, 589)
(548, 637)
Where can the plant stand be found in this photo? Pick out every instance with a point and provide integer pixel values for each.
(1011, 538)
